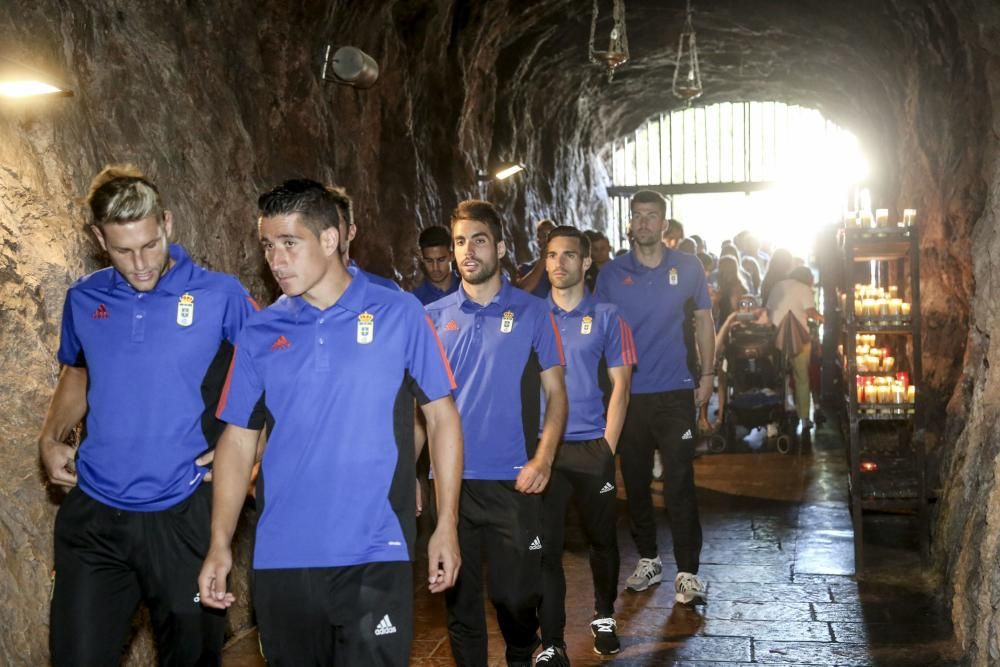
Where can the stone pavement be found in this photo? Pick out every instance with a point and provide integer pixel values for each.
(778, 559)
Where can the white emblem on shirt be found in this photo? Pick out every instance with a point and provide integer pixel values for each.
(507, 323)
(586, 324)
(185, 310)
(672, 276)
(366, 327)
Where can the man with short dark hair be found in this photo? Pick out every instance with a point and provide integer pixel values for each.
(673, 233)
(504, 348)
(531, 275)
(436, 258)
(655, 288)
(145, 346)
(336, 364)
(594, 335)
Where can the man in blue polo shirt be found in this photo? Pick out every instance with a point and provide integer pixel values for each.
(337, 363)
(594, 335)
(145, 346)
(531, 276)
(657, 290)
(504, 348)
(436, 258)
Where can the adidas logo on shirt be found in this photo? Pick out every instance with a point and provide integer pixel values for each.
(687, 435)
(385, 627)
(607, 488)
(535, 545)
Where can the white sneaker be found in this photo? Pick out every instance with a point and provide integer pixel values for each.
(657, 466)
(690, 589)
(648, 572)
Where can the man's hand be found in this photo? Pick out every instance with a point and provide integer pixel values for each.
(59, 460)
(212, 579)
(704, 392)
(206, 459)
(444, 559)
(533, 476)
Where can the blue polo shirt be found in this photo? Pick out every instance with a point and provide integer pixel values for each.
(149, 356)
(653, 302)
(497, 352)
(336, 480)
(544, 286)
(590, 332)
(375, 278)
(428, 292)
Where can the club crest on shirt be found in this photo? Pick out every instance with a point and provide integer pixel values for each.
(672, 276)
(185, 310)
(507, 323)
(366, 328)
(586, 325)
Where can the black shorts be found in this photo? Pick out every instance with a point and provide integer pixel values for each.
(351, 615)
(107, 560)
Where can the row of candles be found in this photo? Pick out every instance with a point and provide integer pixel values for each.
(865, 219)
(872, 301)
(886, 389)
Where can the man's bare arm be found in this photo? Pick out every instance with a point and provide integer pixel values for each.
(68, 406)
(444, 435)
(234, 459)
(704, 334)
(536, 472)
(621, 385)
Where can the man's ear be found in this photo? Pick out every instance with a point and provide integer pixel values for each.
(501, 249)
(168, 223)
(329, 240)
(587, 261)
(99, 235)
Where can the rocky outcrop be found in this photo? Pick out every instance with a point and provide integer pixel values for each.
(217, 103)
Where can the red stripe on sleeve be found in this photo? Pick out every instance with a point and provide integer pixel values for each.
(444, 356)
(629, 355)
(559, 345)
(224, 396)
(252, 302)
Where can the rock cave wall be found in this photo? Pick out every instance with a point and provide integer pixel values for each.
(217, 103)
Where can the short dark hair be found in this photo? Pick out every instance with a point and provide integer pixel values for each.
(595, 236)
(706, 261)
(673, 226)
(434, 236)
(649, 197)
(320, 206)
(803, 274)
(480, 211)
(572, 233)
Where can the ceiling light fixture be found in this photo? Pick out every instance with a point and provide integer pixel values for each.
(349, 66)
(617, 53)
(17, 80)
(687, 73)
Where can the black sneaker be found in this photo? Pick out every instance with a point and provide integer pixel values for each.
(605, 636)
(552, 656)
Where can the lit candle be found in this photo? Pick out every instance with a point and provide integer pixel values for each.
(851, 219)
(909, 217)
(893, 291)
(883, 306)
(866, 219)
(911, 394)
(888, 364)
(881, 217)
(884, 394)
(904, 309)
(895, 305)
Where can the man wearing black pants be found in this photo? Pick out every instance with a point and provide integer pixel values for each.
(593, 334)
(656, 288)
(504, 348)
(145, 346)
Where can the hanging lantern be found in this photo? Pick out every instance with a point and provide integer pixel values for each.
(617, 53)
(687, 73)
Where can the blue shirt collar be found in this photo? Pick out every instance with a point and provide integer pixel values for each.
(585, 306)
(666, 261)
(501, 298)
(175, 281)
(353, 299)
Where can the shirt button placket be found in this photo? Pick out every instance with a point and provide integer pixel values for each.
(138, 321)
(322, 347)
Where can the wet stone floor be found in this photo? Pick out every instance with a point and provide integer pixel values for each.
(779, 561)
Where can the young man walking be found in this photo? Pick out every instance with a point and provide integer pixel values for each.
(595, 338)
(436, 259)
(657, 289)
(145, 346)
(337, 364)
(504, 348)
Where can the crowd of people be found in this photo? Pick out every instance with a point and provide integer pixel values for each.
(525, 389)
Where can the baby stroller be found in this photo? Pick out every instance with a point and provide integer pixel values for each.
(755, 395)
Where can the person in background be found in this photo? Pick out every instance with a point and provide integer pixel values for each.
(780, 266)
(793, 298)
(749, 246)
(700, 244)
(752, 270)
(731, 287)
(688, 246)
(531, 275)
(660, 291)
(673, 233)
(436, 262)
(144, 349)
(596, 339)
(600, 249)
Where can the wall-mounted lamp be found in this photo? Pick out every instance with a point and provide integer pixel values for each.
(349, 66)
(503, 171)
(17, 80)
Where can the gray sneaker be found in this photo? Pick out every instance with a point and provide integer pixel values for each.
(690, 589)
(648, 572)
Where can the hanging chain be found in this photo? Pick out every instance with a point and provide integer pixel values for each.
(617, 53)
